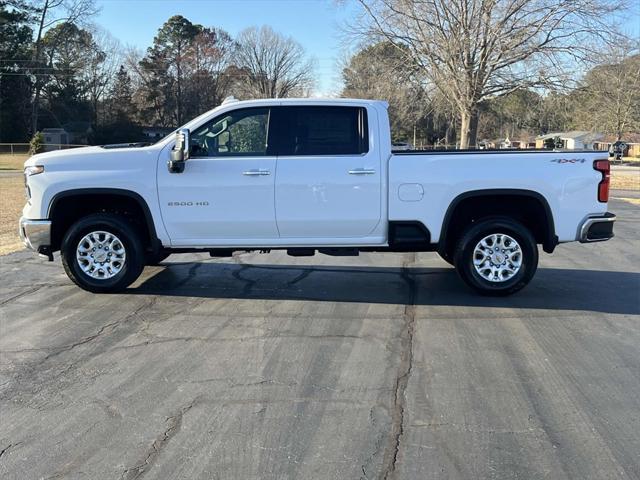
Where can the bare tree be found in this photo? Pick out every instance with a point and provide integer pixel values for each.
(103, 61)
(48, 13)
(206, 61)
(609, 95)
(272, 65)
(471, 50)
(409, 104)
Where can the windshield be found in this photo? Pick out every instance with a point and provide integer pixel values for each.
(189, 125)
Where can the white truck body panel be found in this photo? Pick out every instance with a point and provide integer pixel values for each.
(315, 200)
(569, 188)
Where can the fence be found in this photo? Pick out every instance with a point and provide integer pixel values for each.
(23, 148)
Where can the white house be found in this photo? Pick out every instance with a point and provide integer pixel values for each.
(55, 138)
(575, 140)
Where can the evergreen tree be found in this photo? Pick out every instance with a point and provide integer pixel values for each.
(15, 84)
(163, 69)
(121, 97)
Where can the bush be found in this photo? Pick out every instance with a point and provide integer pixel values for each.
(553, 143)
(36, 145)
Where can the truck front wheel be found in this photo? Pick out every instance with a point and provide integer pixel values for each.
(102, 253)
(496, 256)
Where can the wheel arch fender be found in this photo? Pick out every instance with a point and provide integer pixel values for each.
(549, 240)
(87, 193)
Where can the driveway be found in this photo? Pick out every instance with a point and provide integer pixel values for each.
(378, 366)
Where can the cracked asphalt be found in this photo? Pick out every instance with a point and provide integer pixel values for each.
(378, 366)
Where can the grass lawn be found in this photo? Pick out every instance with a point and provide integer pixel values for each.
(12, 162)
(625, 180)
(13, 200)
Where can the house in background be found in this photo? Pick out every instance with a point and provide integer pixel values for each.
(575, 140)
(70, 134)
(632, 141)
(79, 132)
(55, 138)
(524, 142)
(521, 142)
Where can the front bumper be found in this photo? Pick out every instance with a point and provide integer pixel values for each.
(597, 228)
(36, 235)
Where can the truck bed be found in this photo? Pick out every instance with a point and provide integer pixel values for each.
(441, 151)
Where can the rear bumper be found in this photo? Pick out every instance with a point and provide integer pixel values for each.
(36, 235)
(597, 228)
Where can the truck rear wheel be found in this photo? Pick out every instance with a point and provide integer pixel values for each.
(496, 256)
(102, 253)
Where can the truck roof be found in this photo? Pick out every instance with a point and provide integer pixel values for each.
(304, 101)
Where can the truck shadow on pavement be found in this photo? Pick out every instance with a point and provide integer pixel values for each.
(551, 289)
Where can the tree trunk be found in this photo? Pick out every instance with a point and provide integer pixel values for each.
(468, 128)
(35, 107)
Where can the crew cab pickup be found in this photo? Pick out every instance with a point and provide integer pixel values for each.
(307, 176)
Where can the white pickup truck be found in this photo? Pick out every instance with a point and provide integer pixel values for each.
(308, 176)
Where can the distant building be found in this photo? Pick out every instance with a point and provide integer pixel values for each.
(524, 142)
(55, 138)
(508, 144)
(79, 132)
(575, 140)
(632, 141)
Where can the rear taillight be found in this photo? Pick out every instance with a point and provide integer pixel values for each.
(603, 167)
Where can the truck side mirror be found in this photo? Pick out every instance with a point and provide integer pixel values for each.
(180, 152)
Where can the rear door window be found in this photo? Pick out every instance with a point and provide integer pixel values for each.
(320, 130)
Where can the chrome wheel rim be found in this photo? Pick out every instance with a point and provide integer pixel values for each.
(101, 255)
(497, 257)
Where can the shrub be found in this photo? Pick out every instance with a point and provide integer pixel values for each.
(36, 145)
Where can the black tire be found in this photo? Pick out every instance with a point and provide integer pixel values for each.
(133, 263)
(464, 255)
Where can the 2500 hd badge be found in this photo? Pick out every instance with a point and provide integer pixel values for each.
(188, 204)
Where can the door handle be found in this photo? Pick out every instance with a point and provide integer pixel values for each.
(256, 172)
(362, 171)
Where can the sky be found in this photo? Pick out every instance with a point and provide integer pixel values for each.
(316, 24)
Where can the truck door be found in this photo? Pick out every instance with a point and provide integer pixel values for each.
(226, 193)
(328, 180)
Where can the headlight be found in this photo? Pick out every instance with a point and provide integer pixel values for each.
(34, 170)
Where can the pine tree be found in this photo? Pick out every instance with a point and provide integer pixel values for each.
(121, 98)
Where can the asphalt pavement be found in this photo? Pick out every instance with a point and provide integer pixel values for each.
(377, 366)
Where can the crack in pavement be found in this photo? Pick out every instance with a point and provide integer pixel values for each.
(22, 294)
(174, 423)
(8, 447)
(305, 273)
(158, 339)
(32, 370)
(191, 274)
(90, 338)
(378, 443)
(249, 283)
(390, 458)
